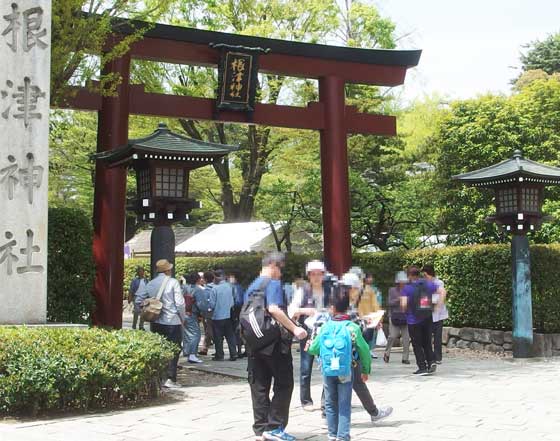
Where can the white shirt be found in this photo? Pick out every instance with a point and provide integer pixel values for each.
(440, 310)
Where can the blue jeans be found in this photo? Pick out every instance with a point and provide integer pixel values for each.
(305, 370)
(338, 407)
(191, 336)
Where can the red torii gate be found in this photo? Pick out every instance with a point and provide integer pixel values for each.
(333, 66)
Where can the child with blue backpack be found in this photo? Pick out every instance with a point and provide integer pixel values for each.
(340, 344)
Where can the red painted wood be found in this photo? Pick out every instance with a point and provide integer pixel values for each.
(109, 203)
(141, 103)
(173, 106)
(334, 176)
(197, 54)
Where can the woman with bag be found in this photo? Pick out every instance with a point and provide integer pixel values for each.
(397, 319)
(162, 304)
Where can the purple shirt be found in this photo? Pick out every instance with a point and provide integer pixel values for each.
(408, 291)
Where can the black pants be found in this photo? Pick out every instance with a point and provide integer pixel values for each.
(173, 333)
(421, 336)
(362, 391)
(237, 327)
(270, 414)
(437, 330)
(224, 328)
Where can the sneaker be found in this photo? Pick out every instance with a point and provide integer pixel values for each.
(373, 354)
(432, 368)
(386, 358)
(421, 372)
(170, 384)
(438, 361)
(278, 435)
(406, 362)
(308, 407)
(194, 359)
(382, 412)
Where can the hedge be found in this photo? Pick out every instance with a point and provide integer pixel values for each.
(71, 269)
(61, 368)
(477, 278)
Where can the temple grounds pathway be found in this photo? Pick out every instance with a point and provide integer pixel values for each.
(470, 398)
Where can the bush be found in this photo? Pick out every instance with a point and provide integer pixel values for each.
(56, 368)
(478, 282)
(477, 278)
(71, 270)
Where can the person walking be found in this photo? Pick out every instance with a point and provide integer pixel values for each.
(191, 335)
(273, 362)
(417, 299)
(138, 282)
(238, 292)
(440, 312)
(206, 309)
(307, 301)
(170, 322)
(222, 323)
(398, 327)
(336, 362)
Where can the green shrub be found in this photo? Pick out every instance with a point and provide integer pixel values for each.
(477, 278)
(48, 368)
(71, 269)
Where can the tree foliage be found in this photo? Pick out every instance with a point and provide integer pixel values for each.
(543, 55)
(483, 131)
(80, 29)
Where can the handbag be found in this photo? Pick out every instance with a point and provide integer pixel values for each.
(381, 339)
(151, 307)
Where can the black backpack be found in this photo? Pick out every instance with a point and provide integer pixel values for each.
(422, 305)
(258, 329)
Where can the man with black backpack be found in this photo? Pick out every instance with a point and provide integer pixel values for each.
(417, 298)
(274, 360)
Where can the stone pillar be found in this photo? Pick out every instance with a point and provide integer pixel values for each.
(334, 177)
(109, 202)
(25, 45)
(162, 246)
(522, 303)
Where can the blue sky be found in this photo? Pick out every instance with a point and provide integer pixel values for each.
(469, 46)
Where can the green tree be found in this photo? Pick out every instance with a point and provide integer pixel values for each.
(80, 29)
(483, 131)
(543, 55)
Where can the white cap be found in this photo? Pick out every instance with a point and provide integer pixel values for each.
(358, 271)
(401, 277)
(315, 265)
(352, 280)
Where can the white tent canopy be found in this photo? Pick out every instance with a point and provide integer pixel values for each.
(242, 237)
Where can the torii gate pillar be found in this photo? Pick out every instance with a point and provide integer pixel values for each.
(334, 177)
(109, 202)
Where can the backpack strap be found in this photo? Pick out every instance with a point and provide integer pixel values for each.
(162, 288)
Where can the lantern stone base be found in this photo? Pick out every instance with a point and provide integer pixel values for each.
(500, 342)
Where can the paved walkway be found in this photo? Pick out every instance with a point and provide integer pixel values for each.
(468, 399)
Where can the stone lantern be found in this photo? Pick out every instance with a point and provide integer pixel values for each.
(518, 184)
(162, 162)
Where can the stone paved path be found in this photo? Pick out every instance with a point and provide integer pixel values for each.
(468, 399)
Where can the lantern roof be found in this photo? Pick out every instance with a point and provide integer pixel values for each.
(167, 145)
(516, 169)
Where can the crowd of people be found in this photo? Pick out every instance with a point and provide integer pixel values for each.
(336, 321)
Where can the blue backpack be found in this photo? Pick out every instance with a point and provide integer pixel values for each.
(336, 349)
